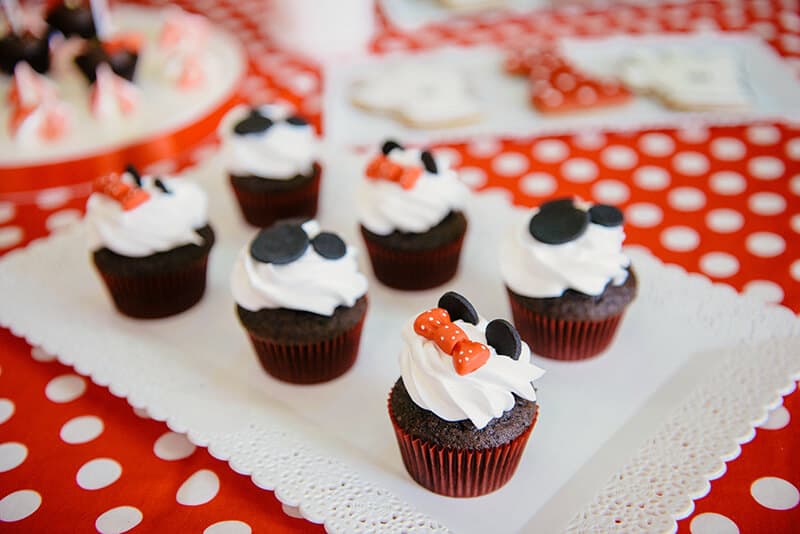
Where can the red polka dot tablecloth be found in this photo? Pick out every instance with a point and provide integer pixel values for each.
(721, 201)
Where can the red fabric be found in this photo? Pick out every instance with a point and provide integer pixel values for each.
(721, 201)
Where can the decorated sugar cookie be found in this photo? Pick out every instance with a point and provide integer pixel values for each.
(557, 86)
(420, 96)
(687, 80)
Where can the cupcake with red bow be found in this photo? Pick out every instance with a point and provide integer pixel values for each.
(410, 213)
(301, 299)
(270, 156)
(150, 239)
(464, 406)
(567, 277)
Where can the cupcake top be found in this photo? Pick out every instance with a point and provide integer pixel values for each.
(299, 267)
(268, 142)
(566, 244)
(460, 366)
(408, 190)
(137, 216)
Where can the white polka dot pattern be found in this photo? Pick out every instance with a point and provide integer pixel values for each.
(775, 493)
(198, 489)
(82, 429)
(12, 454)
(173, 446)
(18, 505)
(711, 523)
(118, 520)
(65, 388)
(98, 473)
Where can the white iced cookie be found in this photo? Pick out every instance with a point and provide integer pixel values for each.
(421, 96)
(686, 80)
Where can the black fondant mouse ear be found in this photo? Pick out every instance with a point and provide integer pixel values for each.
(328, 245)
(254, 123)
(390, 145)
(505, 339)
(294, 120)
(429, 162)
(458, 307)
(606, 215)
(161, 185)
(279, 244)
(557, 203)
(558, 222)
(137, 178)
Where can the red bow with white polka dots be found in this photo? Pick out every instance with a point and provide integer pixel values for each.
(468, 355)
(382, 168)
(128, 196)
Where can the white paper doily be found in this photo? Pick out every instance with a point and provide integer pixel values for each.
(694, 367)
(505, 101)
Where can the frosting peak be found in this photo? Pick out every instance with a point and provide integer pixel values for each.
(388, 201)
(544, 262)
(167, 216)
(485, 394)
(279, 148)
(312, 272)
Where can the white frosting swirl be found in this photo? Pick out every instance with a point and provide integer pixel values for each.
(311, 283)
(385, 206)
(163, 222)
(480, 396)
(587, 264)
(280, 153)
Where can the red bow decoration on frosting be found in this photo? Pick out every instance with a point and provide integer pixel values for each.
(128, 196)
(382, 168)
(468, 355)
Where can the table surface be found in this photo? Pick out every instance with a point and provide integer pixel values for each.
(721, 201)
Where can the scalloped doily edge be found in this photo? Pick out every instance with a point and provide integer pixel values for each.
(681, 505)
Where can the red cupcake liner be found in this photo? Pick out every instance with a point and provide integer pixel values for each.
(460, 472)
(152, 296)
(414, 270)
(563, 339)
(262, 208)
(309, 363)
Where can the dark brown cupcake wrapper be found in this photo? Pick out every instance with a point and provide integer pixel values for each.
(563, 339)
(262, 208)
(152, 296)
(309, 363)
(412, 270)
(459, 472)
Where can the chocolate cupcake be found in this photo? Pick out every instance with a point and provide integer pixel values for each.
(302, 301)
(25, 47)
(567, 278)
(411, 218)
(150, 240)
(72, 18)
(270, 159)
(464, 407)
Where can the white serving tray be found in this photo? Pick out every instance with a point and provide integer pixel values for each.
(505, 103)
(686, 347)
